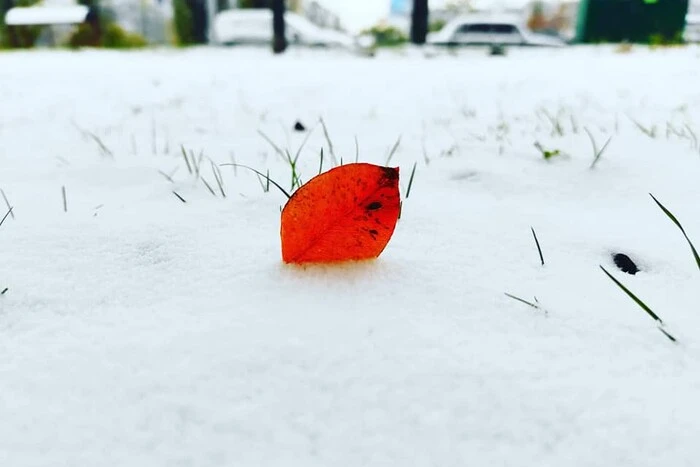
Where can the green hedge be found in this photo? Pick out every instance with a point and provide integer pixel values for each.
(640, 21)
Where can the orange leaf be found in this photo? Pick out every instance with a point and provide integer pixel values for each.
(346, 213)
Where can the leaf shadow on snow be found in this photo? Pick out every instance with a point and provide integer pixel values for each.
(342, 277)
(335, 270)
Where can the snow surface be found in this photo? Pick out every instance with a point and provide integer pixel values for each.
(142, 331)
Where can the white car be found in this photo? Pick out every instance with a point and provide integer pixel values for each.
(477, 29)
(254, 27)
(691, 33)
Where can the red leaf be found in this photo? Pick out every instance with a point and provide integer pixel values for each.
(346, 213)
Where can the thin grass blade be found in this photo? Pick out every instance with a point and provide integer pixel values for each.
(590, 136)
(187, 159)
(665, 333)
(267, 177)
(357, 150)
(103, 147)
(678, 224)
(320, 165)
(7, 203)
(537, 242)
(303, 143)
(410, 180)
(328, 140)
(219, 180)
(198, 163)
(206, 184)
(599, 154)
(166, 176)
(9, 211)
(393, 150)
(277, 149)
(522, 300)
(636, 299)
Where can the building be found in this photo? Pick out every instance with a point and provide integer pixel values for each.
(631, 20)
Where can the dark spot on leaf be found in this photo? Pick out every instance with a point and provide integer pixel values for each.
(625, 263)
(298, 126)
(374, 206)
(390, 173)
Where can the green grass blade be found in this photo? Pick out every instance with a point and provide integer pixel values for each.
(393, 150)
(537, 242)
(7, 203)
(293, 166)
(277, 149)
(410, 180)
(650, 132)
(320, 165)
(522, 300)
(206, 184)
(693, 136)
(219, 180)
(5, 217)
(65, 199)
(357, 150)
(599, 154)
(179, 197)
(269, 180)
(665, 333)
(636, 299)
(197, 162)
(678, 224)
(187, 159)
(103, 147)
(590, 136)
(328, 140)
(166, 176)
(303, 143)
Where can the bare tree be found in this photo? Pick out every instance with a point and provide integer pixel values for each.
(419, 21)
(279, 41)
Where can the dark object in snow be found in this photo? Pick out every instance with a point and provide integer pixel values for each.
(497, 50)
(625, 263)
(4, 290)
(298, 126)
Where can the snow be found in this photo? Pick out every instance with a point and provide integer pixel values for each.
(138, 330)
(46, 15)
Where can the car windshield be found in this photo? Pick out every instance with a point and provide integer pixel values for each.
(492, 28)
(503, 29)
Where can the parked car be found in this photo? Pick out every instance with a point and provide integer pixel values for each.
(490, 30)
(254, 27)
(691, 33)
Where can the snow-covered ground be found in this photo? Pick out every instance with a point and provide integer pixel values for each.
(138, 330)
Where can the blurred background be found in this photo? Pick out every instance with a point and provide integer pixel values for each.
(360, 25)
